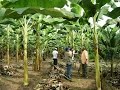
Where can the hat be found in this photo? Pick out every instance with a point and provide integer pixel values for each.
(55, 48)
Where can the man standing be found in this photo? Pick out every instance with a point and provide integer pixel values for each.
(68, 58)
(84, 61)
(55, 56)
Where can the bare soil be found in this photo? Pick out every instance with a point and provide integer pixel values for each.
(15, 82)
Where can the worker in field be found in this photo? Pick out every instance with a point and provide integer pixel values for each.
(55, 57)
(84, 61)
(68, 59)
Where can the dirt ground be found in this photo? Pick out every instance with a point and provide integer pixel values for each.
(15, 82)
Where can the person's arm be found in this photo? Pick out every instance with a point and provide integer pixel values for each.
(86, 56)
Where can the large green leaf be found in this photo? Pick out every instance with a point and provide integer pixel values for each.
(89, 7)
(103, 11)
(77, 9)
(74, 1)
(101, 3)
(114, 13)
(34, 3)
(17, 13)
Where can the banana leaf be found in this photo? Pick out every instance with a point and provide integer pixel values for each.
(114, 13)
(19, 12)
(33, 3)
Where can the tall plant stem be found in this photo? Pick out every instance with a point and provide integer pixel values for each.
(17, 47)
(8, 38)
(37, 60)
(97, 66)
(26, 27)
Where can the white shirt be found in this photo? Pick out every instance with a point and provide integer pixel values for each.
(55, 53)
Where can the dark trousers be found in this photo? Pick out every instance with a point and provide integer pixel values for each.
(84, 70)
(68, 72)
(43, 56)
(55, 61)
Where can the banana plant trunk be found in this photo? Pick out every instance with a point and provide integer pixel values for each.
(40, 59)
(82, 39)
(25, 57)
(97, 66)
(8, 38)
(25, 26)
(2, 49)
(17, 48)
(72, 38)
(111, 67)
(37, 60)
(36, 65)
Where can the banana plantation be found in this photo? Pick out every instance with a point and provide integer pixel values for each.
(30, 30)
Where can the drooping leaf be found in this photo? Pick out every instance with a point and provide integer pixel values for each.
(17, 13)
(34, 3)
(7, 21)
(20, 10)
(103, 11)
(114, 13)
(77, 9)
(89, 7)
(101, 3)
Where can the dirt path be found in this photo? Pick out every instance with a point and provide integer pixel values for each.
(16, 82)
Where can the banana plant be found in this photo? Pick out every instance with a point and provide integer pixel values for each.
(8, 29)
(110, 43)
(37, 18)
(1, 47)
(70, 33)
(48, 37)
(25, 26)
(17, 48)
(8, 38)
(2, 41)
(84, 35)
(15, 33)
(95, 9)
(41, 30)
(6, 41)
(91, 8)
(16, 37)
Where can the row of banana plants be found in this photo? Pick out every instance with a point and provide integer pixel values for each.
(79, 8)
(37, 32)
